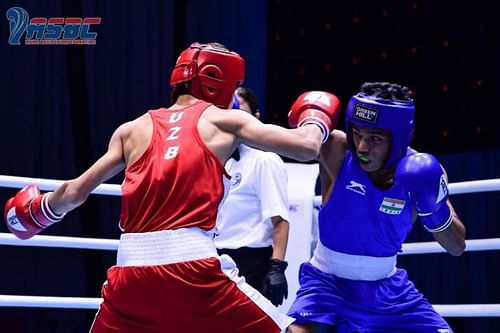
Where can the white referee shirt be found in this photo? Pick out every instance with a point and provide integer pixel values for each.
(258, 192)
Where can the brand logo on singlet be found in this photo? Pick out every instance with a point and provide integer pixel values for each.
(443, 330)
(365, 113)
(392, 206)
(356, 187)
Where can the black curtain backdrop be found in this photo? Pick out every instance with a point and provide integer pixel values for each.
(241, 26)
(60, 105)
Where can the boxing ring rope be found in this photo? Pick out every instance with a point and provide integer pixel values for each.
(51, 185)
(446, 310)
(61, 242)
(486, 244)
(50, 302)
(455, 310)
(485, 185)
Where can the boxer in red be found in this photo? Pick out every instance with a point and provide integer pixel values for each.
(168, 276)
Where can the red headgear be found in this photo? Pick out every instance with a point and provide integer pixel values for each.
(214, 72)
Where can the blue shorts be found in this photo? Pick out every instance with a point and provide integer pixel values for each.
(391, 305)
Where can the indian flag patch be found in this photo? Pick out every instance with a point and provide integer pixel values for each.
(392, 206)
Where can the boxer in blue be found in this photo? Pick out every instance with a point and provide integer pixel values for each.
(374, 186)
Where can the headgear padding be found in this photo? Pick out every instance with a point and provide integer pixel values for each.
(214, 72)
(395, 116)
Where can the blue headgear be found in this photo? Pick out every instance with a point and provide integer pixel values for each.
(395, 116)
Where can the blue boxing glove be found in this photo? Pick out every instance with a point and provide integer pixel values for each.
(422, 176)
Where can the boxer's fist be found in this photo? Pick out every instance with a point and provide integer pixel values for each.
(422, 176)
(28, 212)
(316, 107)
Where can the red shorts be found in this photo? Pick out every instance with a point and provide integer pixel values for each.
(202, 295)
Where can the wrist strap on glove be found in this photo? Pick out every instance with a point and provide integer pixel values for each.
(41, 212)
(322, 126)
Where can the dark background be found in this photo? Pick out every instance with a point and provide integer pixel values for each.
(60, 105)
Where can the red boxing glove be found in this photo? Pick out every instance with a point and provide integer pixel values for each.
(316, 107)
(28, 212)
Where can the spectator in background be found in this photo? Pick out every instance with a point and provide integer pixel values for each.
(253, 222)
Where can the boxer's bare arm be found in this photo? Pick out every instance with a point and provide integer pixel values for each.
(73, 193)
(223, 130)
(453, 238)
(332, 156)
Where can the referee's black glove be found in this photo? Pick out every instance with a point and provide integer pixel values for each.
(275, 286)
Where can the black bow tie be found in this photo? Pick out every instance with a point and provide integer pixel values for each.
(236, 154)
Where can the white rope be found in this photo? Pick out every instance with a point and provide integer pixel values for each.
(451, 310)
(51, 185)
(486, 244)
(485, 185)
(61, 241)
(49, 302)
(468, 310)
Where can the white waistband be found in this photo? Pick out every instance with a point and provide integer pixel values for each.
(353, 267)
(165, 247)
